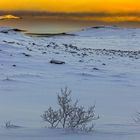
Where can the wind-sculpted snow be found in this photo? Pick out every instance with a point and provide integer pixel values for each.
(101, 67)
(108, 38)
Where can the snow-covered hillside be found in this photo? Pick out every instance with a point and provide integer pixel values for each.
(101, 67)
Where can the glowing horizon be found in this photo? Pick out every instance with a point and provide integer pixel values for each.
(111, 6)
(102, 10)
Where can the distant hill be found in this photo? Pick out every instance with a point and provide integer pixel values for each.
(9, 17)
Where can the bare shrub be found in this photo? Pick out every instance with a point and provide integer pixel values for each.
(80, 118)
(70, 115)
(66, 106)
(9, 125)
(52, 117)
(137, 117)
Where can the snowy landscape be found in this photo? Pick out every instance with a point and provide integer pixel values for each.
(101, 67)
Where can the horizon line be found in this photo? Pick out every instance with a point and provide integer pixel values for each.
(78, 14)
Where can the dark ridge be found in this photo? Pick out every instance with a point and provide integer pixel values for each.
(103, 26)
(49, 34)
(18, 30)
(79, 14)
(6, 30)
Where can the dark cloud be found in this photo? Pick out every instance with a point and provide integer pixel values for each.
(44, 13)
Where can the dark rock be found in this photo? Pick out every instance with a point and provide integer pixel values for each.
(44, 52)
(27, 55)
(81, 60)
(84, 54)
(14, 65)
(95, 69)
(18, 43)
(56, 62)
(57, 53)
(66, 45)
(98, 27)
(72, 51)
(29, 49)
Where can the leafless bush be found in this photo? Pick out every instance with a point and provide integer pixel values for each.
(70, 115)
(137, 117)
(52, 117)
(9, 125)
(80, 118)
(66, 106)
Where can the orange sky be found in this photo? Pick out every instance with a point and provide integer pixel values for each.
(72, 5)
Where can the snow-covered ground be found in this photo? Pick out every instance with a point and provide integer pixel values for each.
(102, 67)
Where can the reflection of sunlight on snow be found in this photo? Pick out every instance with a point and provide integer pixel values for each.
(9, 17)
